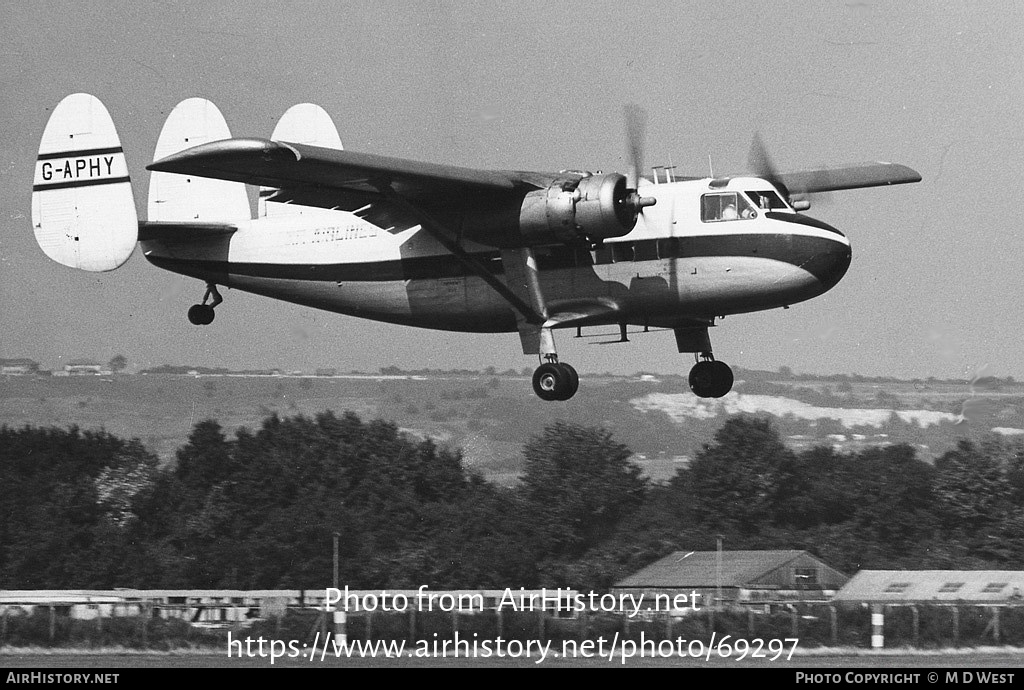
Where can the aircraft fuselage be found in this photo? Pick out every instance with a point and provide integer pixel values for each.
(680, 263)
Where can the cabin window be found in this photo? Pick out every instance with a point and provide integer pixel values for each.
(897, 588)
(951, 587)
(603, 255)
(767, 200)
(725, 207)
(994, 587)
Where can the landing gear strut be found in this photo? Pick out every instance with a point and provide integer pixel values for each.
(710, 378)
(202, 314)
(555, 380)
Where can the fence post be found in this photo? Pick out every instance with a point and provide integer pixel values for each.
(412, 624)
(995, 624)
(916, 614)
(794, 619)
(3, 627)
(53, 623)
(143, 614)
(877, 626)
(956, 626)
(833, 620)
(340, 627)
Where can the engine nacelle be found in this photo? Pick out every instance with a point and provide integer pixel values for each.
(595, 208)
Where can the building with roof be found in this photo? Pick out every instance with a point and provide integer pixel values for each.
(18, 367)
(934, 587)
(85, 367)
(736, 577)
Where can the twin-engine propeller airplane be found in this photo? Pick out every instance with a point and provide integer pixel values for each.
(439, 246)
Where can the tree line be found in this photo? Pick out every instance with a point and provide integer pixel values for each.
(261, 508)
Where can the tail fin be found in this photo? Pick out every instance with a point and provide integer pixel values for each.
(184, 198)
(83, 211)
(305, 123)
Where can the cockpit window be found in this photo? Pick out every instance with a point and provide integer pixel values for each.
(728, 206)
(767, 200)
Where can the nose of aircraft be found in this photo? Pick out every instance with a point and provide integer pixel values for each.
(830, 262)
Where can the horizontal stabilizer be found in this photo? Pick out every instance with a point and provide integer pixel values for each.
(169, 231)
(83, 210)
(180, 198)
(848, 177)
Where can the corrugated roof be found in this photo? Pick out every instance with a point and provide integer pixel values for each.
(901, 586)
(700, 569)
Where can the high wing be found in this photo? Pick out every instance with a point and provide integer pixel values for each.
(320, 176)
(875, 174)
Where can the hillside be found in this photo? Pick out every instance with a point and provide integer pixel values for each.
(491, 417)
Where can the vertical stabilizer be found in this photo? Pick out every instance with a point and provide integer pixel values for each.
(186, 198)
(305, 123)
(83, 210)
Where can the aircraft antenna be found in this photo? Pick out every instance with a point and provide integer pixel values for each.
(711, 167)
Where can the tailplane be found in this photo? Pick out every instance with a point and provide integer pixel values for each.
(177, 198)
(83, 210)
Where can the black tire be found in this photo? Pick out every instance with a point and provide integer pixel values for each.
(550, 382)
(702, 380)
(195, 315)
(201, 314)
(723, 378)
(574, 380)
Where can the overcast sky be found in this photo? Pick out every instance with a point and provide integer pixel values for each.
(936, 282)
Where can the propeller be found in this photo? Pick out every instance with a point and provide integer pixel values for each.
(760, 162)
(636, 134)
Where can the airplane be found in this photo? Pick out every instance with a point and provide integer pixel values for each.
(440, 246)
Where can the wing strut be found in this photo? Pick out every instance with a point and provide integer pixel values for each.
(440, 233)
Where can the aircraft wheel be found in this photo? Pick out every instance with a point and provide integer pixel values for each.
(723, 378)
(201, 314)
(712, 379)
(551, 382)
(574, 380)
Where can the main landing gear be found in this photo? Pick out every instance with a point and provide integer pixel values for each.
(710, 378)
(202, 314)
(555, 380)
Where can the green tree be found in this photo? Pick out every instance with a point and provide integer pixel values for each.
(578, 484)
(740, 482)
(972, 489)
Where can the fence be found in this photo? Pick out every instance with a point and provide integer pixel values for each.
(814, 625)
